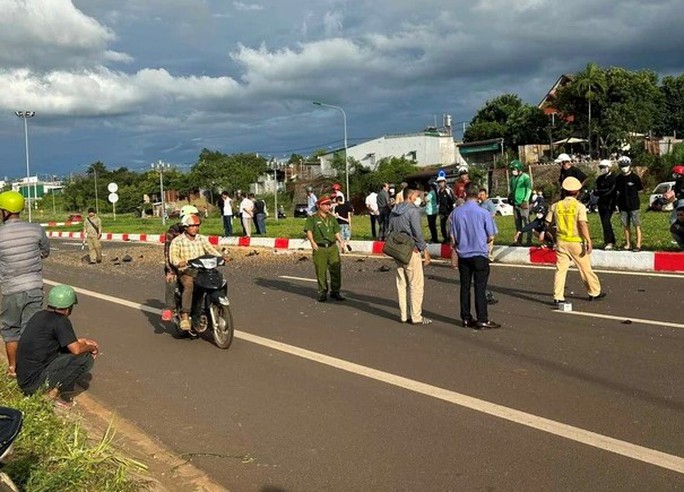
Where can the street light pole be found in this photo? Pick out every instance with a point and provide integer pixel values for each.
(97, 205)
(160, 166)
(54, 210)
(25, 115)
(344, 120)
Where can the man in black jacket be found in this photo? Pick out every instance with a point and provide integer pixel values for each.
(627, 187)
(445, 205)
(605, 192)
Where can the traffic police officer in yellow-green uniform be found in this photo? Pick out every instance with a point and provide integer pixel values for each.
(323, 232)
(573, 242)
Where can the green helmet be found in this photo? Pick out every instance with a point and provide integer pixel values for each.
(62, 297)
(12, 201)
(516, 164)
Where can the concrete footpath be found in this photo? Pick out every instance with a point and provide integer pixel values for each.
(645, 261)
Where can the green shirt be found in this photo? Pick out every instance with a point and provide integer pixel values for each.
(521, 189)
(323, 230)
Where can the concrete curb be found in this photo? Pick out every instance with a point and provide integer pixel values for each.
(645, 261)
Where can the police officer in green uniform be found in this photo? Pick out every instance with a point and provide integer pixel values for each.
(323, 232)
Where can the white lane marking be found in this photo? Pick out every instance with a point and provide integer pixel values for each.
(593, 439)
(673, 275)
(298, 278)
(623, 318)
(115, 300)
(578, 313)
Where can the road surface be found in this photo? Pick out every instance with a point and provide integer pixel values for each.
(342, 396)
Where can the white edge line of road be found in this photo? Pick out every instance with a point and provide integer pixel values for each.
(593, 439)
(623, 318)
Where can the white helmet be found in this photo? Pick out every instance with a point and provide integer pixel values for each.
(188, 210)
(605, 163)
(624, 161)
(191, 220)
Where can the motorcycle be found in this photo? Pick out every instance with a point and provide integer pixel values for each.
(11, 421)
(210, 303)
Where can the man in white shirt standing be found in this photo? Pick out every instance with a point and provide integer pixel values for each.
(247, 213)
(226, 208)
(374, 212)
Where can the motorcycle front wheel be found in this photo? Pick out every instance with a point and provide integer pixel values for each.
(223, 329)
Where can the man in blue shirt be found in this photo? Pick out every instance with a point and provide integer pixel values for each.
(472, 229)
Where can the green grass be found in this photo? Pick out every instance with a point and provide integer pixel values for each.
(54, 453)
(655, 227)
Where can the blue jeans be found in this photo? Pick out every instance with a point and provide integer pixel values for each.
(227, 225)
(260, 220)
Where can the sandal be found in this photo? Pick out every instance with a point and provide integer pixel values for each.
(11, 372)
(424, 321)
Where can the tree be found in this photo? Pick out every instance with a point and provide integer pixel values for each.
(672, 120)
(589, 83)
(508, 117)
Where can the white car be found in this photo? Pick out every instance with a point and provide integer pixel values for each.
(657, 193)
(502, 206)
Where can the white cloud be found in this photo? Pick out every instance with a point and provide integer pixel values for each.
(105, 92)
(246, 7)
(50, 33)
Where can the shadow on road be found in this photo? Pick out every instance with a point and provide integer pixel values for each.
(370, 304)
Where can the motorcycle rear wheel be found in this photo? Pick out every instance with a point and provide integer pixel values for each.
(223, 331)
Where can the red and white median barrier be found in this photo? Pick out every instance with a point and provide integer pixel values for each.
(60, 224)
(648, 261)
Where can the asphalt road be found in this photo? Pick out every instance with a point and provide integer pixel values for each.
(342, 396)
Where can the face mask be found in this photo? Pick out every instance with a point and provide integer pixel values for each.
(515, 173)
(625, 170)
(539, 216)
(418, 201)
(604, 170)
(676, 176)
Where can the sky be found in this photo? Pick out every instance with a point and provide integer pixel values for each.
(132, 82)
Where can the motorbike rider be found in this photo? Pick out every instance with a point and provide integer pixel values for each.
(170, 273)
(184, 248)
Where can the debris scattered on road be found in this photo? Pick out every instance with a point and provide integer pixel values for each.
(384, 268)
(127, 258)
(627, 322)
(254, 252)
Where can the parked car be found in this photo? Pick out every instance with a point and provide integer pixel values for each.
(502, 206)
(300, 210)
(75, 218)
(656, 201)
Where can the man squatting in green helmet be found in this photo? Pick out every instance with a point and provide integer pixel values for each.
(49, 354)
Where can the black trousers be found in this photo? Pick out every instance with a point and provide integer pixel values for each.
(373, 221)
(432, 225)
(384, 222)
(474, 271)
(63, 372)
(605, 213)
(443, 226)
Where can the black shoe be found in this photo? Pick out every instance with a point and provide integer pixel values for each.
(556, 302)
(349, 248)
(322, 297)
(468, 323)
(337, 296)
(486, 325)
(598, 297)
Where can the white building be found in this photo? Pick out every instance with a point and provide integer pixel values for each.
(431, 147)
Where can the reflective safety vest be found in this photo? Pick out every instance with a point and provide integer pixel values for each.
(566, 221)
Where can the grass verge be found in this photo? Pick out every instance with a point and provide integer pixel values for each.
(655, 227)
(53, 452)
